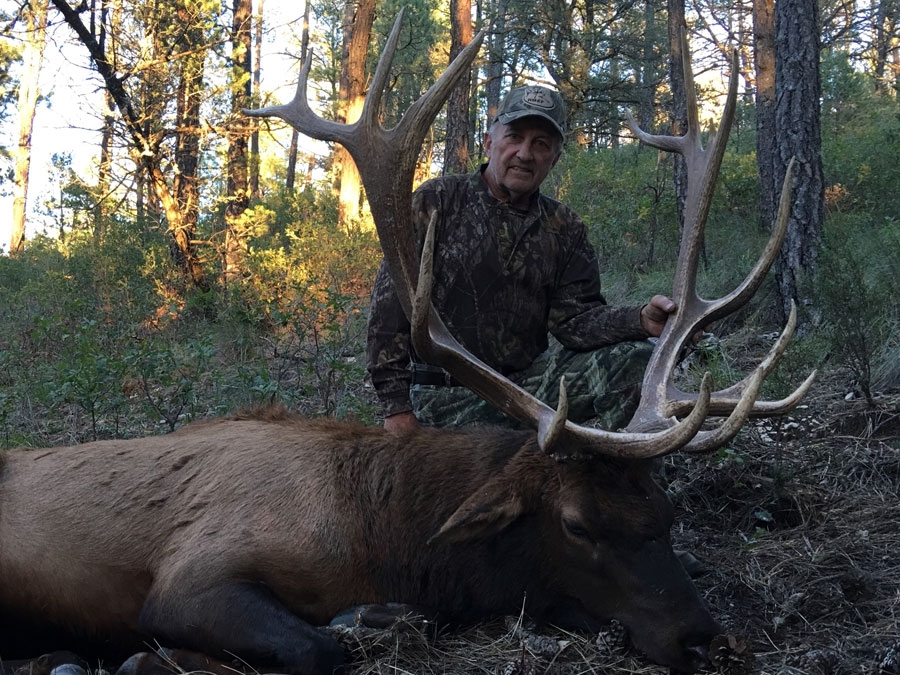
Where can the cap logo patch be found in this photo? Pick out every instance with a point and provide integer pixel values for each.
(535, 97)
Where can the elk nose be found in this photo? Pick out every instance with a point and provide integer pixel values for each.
(696, 657)
(68, 669)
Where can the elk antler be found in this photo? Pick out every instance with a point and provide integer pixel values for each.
(374, 148)
(661, 400)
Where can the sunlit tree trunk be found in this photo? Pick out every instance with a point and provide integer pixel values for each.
(797, 130)
(33, 55)
(187, 156)
(238, 188)
(456, 146)
(104, 169)
(358, 19)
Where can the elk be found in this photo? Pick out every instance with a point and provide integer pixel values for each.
(242, 536)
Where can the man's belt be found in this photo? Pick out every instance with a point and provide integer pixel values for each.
(422, 373)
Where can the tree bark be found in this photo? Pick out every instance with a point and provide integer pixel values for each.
(764, 52)
(496, 49)
(357, 30)
(678, 115)
(647, 85)
(797, 128)
(32, 57)
(456, 146)
(257, 77)
(238, 187)
(885, 27)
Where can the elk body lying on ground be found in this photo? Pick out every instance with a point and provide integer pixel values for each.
(240, 536)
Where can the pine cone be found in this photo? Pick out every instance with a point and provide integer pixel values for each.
(613, 639)
(890, 663)
(819, 662)
(731, 655)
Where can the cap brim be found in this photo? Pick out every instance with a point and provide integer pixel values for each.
(506, 118)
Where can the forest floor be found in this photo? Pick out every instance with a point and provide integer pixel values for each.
(799, 525)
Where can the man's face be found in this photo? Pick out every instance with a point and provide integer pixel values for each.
(520, 155)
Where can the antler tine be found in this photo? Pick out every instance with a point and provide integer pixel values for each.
(299, 115)
(372, 104)
(742, 396)
(725, 399)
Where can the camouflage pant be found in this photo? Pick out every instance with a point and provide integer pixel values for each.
(603, 386)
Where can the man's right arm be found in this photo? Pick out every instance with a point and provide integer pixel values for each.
(387, 346)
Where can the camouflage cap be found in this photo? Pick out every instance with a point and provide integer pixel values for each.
(533, 101)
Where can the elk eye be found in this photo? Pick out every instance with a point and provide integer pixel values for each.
(577, 530)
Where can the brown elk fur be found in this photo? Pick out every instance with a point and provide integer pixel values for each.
(238, 535)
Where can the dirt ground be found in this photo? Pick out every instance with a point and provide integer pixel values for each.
(799, 524)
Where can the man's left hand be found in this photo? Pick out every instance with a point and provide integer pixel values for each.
(655, 314)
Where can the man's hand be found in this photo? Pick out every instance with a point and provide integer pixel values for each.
(401, 422)
(655, 314)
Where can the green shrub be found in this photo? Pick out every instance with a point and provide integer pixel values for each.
(856, 290)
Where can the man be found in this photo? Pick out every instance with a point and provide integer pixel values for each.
(510, 266)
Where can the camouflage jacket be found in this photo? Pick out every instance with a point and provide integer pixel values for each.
(503, 278)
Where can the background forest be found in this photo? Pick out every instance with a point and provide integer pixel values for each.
(208, 261)
(205, 263)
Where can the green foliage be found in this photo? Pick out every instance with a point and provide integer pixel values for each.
(88, 375)
(99, 332)
(624, 199)
(421, 60)
(99, 336)
(172, 375)
(856, 290)
(9, 54)
(858, 127)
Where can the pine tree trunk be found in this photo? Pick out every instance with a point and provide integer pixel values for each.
(456, 146)
(798, 135)
(257, 77)
(292, 150)
(357, 30)
(238, 188)
(496, 51)
(33, 55)
(104, 169)
(764, 50)
(678, 115)
(183, 224)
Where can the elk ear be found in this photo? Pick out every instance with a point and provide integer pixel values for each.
(494, 506)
